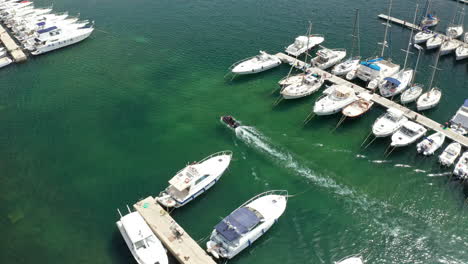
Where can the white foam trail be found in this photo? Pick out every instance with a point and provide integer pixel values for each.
(439, 174)
(318, 145)
(402, 165)
(361, 156)
(419, 171)
(381, 161)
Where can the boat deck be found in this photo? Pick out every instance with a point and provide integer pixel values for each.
(181, 245)
(425, 121)
(15, 51)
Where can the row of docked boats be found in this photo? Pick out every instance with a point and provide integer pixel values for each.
(39, 30)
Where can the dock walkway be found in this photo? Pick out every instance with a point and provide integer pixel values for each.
(179, 243)
(15, 51)
(416, 117)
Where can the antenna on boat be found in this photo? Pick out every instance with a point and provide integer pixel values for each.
(128, 208)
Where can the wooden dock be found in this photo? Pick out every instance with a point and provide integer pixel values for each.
(416, 117)
(15, 51)
(174, 238)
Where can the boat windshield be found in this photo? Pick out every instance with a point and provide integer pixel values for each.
(408, 132)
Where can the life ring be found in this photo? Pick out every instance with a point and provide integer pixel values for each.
(187, 180)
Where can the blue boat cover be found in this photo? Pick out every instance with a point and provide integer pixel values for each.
(45, 30)
(41, 23)
(370, 65)
(392, 80)
(430, 17)
(466, 103)
(237, 223)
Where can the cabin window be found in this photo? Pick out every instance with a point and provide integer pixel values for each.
(201, 178)
(140, 244)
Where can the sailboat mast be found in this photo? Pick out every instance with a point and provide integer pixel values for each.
(355, 33)
(435, 69)
(309, 32)
(417, 63)
(411, 37)
(384, 44)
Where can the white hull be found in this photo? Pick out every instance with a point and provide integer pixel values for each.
(257, 64)
(62, 43)
(387, 89)
(345, 67)
(422, 37)
(304, 87)
(411, 94)
(429, 99)
(435, 42)
(461, 52)
(461, 168)
(409, 133)
(335, 100)
(450, 154)
(449, 47)
(303, 44)
(430, 144)
(388, 123)
(316, 62)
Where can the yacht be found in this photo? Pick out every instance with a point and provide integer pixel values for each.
(423, 36)
(461, 52)
(303, 44)
(388, 123)
(435, 42)
(430, 144)
(194, 179)
(407, 134)
(450, 154)
(334, 100)
(58, 39)
(449, 46)
(308, 85)
(461, 168)
(346, 66)
(394, 85)
(140, 239)
(256, 64)
(326, 58)
(246, 224)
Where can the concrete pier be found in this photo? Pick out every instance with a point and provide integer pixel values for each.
(15, 51)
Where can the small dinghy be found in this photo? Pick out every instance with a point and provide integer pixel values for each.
(246, 224)
(256, 64)
(359, 107)
(407, 134)
(303, 44)
(388, 123)
(411, 94)
(140, 239)
(449, 46)
(429, 99)
(430, 144)
(195, 179)
(395, 84)
(461, 52)
(230, 122)
(461, 168)
(326, 58)
(343, 68)
(334, 100)
(423, 36)
(292, 79)
(308, 85)
(450, 154)
(435, 42)
(350, 260)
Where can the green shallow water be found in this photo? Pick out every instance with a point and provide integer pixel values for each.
(91, 128)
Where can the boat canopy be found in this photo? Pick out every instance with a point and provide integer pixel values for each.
(237, 223)
(431, 17)
(41, 23)
(45, 30)
(370, 65)
(393, 81)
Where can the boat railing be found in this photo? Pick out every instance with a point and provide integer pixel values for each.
(272, 192)
(239, 62)
(224, 152)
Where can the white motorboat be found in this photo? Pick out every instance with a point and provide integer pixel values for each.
(257, 64)
(308, 85)
(461, 168)
(303, 44)
(394, 85)
(423, 36)
(350, 260)
(292, 79)
(411, 94)
(449, 46)
(346, 66)
(429, 99)
(359, 107)
(351, 75)
(4, 61)
(388, 123)
(461, 52)
(326, 58)
(430, 144)
(454, 31)
(334, 100)
(58, 39)
(407, 134)
(194, 179)
(140, 239)
(435, 42)
(246, 224)
(450, 154)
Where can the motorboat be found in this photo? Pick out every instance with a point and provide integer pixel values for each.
(338, 97)
(460, 120)
(230, 122)
(343, 68)
(395, 84)
(351, 260)
(461, 52)
(303, 44)
(461, 168)
(449, 46)
(450, 154)
(429, 99)
(5, 61)
(358, 107)
(292, 79)
(411, 94)
(246, 224)
(376, 70)
(194, 179)
(454, 31)
(257, 64)
(430, 21)
(435, 42)
(140, 239)
(308, 85)
(326, 58)
(423, 36)
(407, 134)
(388, 123)
(351, 75)
(430, 144)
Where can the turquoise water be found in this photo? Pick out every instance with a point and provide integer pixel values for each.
(91, 128)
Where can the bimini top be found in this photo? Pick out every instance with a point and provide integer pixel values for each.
(466, 103)
(237, 223)
(45, 30)
(392, 80)
(371, 65)
(41, 23)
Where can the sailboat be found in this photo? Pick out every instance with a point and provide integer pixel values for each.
(432, 97)
(461, 52)
(415, 90)
(376, 69)
(309, 84)
(429, 20)
(395, 84)
(455, 29)
(352, 63)
(436, 41)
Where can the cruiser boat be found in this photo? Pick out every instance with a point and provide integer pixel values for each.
(449, 46)
(407, 134)
(59, 39)
(429, 99)
(230, 122)
(326, 58)
(338, 97)
(246, 224)
(423, 36)
(450, 154)
(30, 31)
(359, 107)
(350, 260)
(430, 144)
(461, 169)
(375, 70)
(461, 52)
(303, 44)
(454, 31)
(304, 87)
(394, 85)
(140, 239)
(194, 179)
(346, 66)
(435, 42)
(388, 123)
(256, 64)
